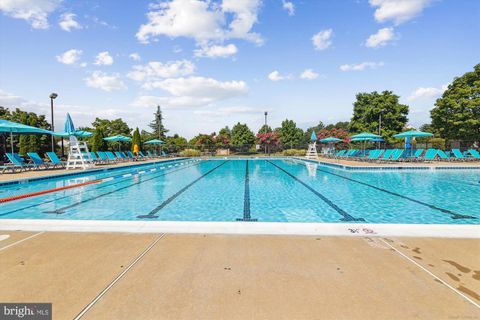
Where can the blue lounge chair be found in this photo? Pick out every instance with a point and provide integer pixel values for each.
(111, 157)
(19, 162)
(474, 153)
(458, 154)
(338, 154)
(120, 156)
(430, 154)
(386, 155)
(37, 160)
(55, 160)
(141, 154)
(443, 155)
(103, 157)
(397, 154)
(374, 154)
(164, 154)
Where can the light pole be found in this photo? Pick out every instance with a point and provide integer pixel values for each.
(266, 114)
(380, 125)
(52, 97)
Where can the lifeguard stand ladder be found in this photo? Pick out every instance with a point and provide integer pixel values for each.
(312, 151)
(78, 155)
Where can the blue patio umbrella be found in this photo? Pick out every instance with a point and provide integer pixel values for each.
(154, 141)
(313, 136)
(117, 138)
(331, 140)
(69, 127)
(364, 136)
(413, 134)
(408, 135)
(78, 133)
(18, 128)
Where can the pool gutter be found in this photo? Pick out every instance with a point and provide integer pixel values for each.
(246, 228)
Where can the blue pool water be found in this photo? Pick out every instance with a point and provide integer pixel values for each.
(270, 190)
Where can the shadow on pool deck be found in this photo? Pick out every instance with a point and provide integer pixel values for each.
(239, 277)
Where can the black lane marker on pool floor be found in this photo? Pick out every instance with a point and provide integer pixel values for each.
(346, 216)
(431, 206)
(151, 214)
(62, 210)
(246, 198)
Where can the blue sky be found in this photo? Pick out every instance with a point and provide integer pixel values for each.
(210, 64)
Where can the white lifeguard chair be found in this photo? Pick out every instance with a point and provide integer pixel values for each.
(312, 147)
(78, 155)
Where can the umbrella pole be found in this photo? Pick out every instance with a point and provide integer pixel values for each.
(11, 141)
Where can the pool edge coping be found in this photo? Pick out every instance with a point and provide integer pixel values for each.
(245, 228)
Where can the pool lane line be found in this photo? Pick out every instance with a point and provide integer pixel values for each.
(151, 214)
(346, 216)
(431, 206)
(430, 273)
(38, 193)
(100, 186)
(117, 278)
(22, 240)
(62, 210)
(246, 198)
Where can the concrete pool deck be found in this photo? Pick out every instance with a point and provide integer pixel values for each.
(175, 276)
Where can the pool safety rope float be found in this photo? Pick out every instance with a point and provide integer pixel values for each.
(38, 193)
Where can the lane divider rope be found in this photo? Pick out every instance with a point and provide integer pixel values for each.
(42, 192)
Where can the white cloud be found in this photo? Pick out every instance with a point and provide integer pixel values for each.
(67, 22)
(398, 11)
(309, 74)
(155, 70)
(34, 12)
(103, 58)
(192, 92)
(203, 21)
(216, 51)
(104, 81)
(361, 66)
(322, 40)
(69, 57)
(289, 6)
(427, 92)
(275, 76)
(381, 38)
(135, 56)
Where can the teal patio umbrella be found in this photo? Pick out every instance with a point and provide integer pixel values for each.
(118, 138)
(154, 141)
(18, 128)
(408, 135)
(413, 134)
(365, 136)
(313, 137)
(78, 133)
(331, 141)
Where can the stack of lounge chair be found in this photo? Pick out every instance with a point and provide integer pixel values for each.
(397, 155)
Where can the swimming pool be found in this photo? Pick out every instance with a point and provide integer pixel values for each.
(263, 190)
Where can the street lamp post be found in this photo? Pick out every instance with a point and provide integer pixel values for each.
(52, 97)
(380, 125)
(266, 114)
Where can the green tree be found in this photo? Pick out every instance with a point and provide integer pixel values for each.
(159, 131)
(344, 125)
(97, 142)
(242, 136)
(136, 139)
(203, 141)
(176, 143)
(456, 114)
(367, 109)
(23, 140)
(112, 127)
(265, 129)
(290, 135)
